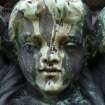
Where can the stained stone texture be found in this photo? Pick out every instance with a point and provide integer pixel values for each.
(15, 93)
(101, 30)
(93, 4)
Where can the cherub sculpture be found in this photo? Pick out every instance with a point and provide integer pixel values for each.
(51, 49)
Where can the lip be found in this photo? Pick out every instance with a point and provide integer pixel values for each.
(50, 71)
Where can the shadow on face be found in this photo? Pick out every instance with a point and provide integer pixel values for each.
(50, 63)
(50, 52)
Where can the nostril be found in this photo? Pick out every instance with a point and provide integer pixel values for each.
(30, 2)
(50, 64)
(44, 61)
(53, 62)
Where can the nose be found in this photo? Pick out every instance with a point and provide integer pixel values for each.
(51, 58)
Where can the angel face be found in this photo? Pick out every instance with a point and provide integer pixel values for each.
(50, 52)
(49, 60)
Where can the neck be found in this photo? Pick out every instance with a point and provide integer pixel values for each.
(69, 96)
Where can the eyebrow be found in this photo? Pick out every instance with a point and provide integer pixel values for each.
(25, 35)
(75, 39)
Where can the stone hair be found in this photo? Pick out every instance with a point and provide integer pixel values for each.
(72, 12)
(69, 10)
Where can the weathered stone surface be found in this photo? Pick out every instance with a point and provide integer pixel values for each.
(53, 41)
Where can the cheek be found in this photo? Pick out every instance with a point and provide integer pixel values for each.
(72, 63)
(27, 61)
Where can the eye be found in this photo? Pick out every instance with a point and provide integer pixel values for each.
(70, 45)
(31, 47)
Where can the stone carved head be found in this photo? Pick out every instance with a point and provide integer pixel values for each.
(50, 43)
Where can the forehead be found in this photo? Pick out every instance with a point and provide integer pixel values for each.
(48, 29)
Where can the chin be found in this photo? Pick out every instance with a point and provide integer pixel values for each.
(51, 87)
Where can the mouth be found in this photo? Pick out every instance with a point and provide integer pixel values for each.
(49, 71)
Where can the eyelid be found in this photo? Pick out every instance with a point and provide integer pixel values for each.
(33, 38)
(33, 41)
(29, 43)
(31, 46)
(71, 44)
